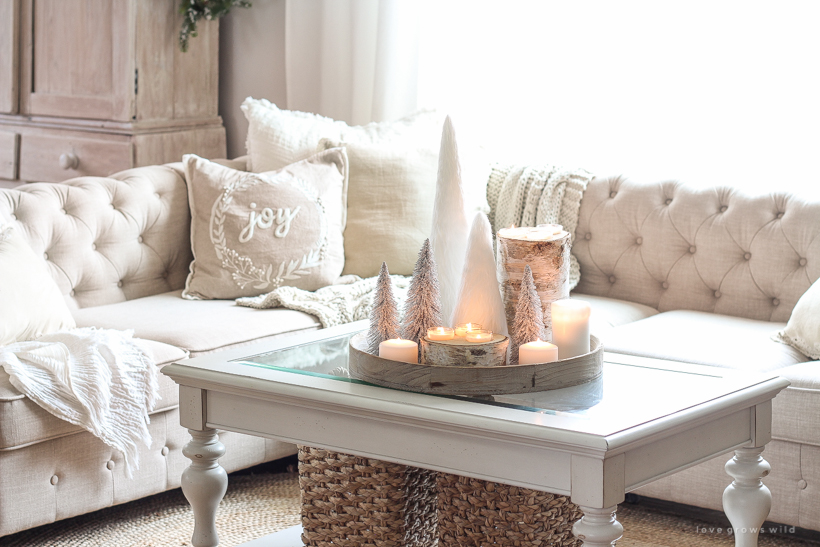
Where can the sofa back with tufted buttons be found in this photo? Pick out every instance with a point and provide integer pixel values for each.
(718, 250)
(108, 239)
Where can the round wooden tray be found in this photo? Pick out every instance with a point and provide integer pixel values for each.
(472, 380)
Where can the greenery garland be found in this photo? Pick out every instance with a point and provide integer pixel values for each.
(194, 10)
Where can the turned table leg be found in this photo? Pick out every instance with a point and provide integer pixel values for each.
(747, 501)
(204, 483)
(598, 527)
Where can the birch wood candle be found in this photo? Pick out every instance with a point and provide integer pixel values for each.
(458, 352)
(546, 250)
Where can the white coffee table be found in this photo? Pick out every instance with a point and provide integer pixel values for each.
(644, 419)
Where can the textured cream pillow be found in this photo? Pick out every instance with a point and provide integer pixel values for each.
(278, 137)
(802, 332)
(252, 233)
(30, 301)
(389, 205)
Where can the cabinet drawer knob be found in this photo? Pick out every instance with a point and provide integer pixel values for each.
(69, 160)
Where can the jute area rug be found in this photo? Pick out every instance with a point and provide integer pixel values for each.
(260, 503)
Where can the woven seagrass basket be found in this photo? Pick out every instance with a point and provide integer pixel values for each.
(348, 501)
(473, 512)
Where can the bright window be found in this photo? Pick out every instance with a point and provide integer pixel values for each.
(701, 91)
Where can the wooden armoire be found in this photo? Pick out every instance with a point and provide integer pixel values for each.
(91, 87)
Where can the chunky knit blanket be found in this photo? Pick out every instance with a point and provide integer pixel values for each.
(528, 196)
(348, 300)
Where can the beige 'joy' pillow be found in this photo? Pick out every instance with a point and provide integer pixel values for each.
(802, 332)
(389, 205)
(279, 137)
(30, 301)
(254, 232)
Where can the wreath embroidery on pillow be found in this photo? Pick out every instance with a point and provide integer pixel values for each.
(243, 271)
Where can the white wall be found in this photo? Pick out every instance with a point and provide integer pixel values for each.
(251, 63)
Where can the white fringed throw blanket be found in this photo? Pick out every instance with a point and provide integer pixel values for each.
(349, 300)
(528, 196)
(97, 379)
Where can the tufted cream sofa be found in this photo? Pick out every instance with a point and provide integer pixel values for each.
(119, 249)
(696, 275)
(705, 276)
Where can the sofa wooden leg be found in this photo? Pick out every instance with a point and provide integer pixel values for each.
(747, 500)
(598, 527)
(204, 483)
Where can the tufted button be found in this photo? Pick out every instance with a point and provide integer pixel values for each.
(64, 211)
(723, 209)
(665, 285)
(110, 465)
(669, 201)
(165, 450)
(747, 256)
(111, 206)
(613, 193)
(612, 279)
(45, 256)
(13, 217)
(71, 293)
(139, 239)
(94, 246)
(639, 241)
(803, 261)
(775, 302)
(801, 484)
(587, 236)
(692, 250)
(54, 479)
(119, 283)
(717, 294)
(156, 195)
(165, 275)
(780, 215)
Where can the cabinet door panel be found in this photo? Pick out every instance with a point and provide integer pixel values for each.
(9, 55)
(77, 59)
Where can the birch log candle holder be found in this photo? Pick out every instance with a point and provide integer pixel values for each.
(459, 352)
(546, 250)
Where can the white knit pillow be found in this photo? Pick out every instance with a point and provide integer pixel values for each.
(277, 138)
(802, 332)
(30, 301)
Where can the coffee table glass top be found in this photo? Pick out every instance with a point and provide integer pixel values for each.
(632, 390)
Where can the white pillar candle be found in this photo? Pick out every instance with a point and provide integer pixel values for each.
(440, 333)
(537, 352)
(399, 349)
(570, 327)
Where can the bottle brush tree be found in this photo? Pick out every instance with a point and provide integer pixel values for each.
(422, 309)
(529, 317)
(384, 317)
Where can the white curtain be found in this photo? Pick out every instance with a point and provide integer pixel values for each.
(352, 60)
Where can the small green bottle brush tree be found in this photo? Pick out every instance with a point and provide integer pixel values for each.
(194, 10)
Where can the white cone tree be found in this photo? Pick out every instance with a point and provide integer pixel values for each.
(448, 238)
(529, 317)
(384, 317)
(479, 299)
(422, 309)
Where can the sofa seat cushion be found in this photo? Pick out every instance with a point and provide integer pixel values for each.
(609, 312)
(22, 422)
(198, 326)
(704, 338)
(796, 409)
